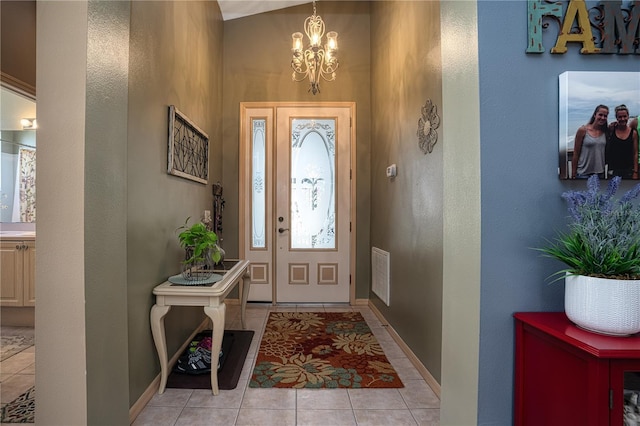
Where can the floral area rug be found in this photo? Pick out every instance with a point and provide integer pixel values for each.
(321, 350)
(14, 340)
(20, 410)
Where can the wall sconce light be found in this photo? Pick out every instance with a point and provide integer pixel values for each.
(314, 61)
(29, 124)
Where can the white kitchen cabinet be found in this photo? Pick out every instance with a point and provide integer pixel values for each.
(17, 272)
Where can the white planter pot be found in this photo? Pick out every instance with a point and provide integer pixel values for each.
(602, 305)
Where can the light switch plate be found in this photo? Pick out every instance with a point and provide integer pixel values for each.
(391, 171)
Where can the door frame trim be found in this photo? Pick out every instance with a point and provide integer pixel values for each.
(243, 195)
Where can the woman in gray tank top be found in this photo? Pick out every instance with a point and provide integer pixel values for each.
(589, 146)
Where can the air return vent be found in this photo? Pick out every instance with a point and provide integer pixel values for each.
(380, 273)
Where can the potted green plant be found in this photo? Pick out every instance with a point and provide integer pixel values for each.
(201, 250)
(601, 250)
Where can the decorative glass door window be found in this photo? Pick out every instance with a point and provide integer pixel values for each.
(312, 173)
(258, 195)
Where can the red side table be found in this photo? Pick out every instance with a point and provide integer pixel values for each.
(565, 375)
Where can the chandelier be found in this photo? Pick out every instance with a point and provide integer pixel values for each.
(314, 62)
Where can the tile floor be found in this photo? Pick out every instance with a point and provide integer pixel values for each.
(17, 375)
(415, 404)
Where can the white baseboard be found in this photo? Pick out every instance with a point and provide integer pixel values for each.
(361, 302)
(144, 399)
(426, 375)
(152, 389)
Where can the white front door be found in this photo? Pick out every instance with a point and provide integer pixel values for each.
(297, 218)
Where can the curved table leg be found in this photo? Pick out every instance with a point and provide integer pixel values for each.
(217, 318)
(157, 329)
(244, 285)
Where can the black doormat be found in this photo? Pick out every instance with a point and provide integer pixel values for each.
(235, 346)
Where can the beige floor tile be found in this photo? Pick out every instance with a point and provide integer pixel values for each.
(30, 350)
(255, 344)
(392, 350)
(325, 417)
(378, 399)
(260, 311)
(366, 313)
(322, 399)
(256, 324)
(427, 416)
(158, 416)
(5, 376)
(282, 399)
(231, 317)
(225, 399)
(310, 307)
(384, 417)
(405, 369)
(247, 371)
(15, 386)
(382, 334)
(329, 306)
(371, 319)
(259, 417)
(205, 416)
(17, 363)
(378, 329)
(337, 309)
(235, 324)
(417, 394)
(31, 369)
(283, 308)
(171, 398)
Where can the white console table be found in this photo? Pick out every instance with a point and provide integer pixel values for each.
(210, 297)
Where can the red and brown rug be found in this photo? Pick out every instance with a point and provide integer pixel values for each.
(321, 350)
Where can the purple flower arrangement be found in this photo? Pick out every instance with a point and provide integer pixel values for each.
(603, 239)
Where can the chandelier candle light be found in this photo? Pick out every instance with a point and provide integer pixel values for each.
(314, 62)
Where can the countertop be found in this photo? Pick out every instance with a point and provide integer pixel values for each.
(17, 235)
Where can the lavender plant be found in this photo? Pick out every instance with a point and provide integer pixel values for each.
(603, 239)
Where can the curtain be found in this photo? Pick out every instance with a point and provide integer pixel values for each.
(24, 201)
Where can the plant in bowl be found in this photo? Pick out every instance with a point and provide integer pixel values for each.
(601, 250)
(201, 250)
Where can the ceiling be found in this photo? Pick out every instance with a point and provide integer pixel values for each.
(14, 107)
(232, 9)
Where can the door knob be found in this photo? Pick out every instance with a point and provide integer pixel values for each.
(281, 230)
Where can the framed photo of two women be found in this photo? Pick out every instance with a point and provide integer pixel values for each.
(599, 124)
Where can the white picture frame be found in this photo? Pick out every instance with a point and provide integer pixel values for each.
(579, 94)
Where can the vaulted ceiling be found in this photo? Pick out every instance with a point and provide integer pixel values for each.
(232, 9)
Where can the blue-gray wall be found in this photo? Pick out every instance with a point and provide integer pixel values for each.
(521, 204)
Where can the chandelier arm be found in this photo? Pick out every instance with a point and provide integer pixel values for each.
(314, 62)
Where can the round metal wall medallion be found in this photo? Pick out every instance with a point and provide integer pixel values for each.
(428, 122)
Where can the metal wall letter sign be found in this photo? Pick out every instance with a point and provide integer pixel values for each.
(608, 27)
